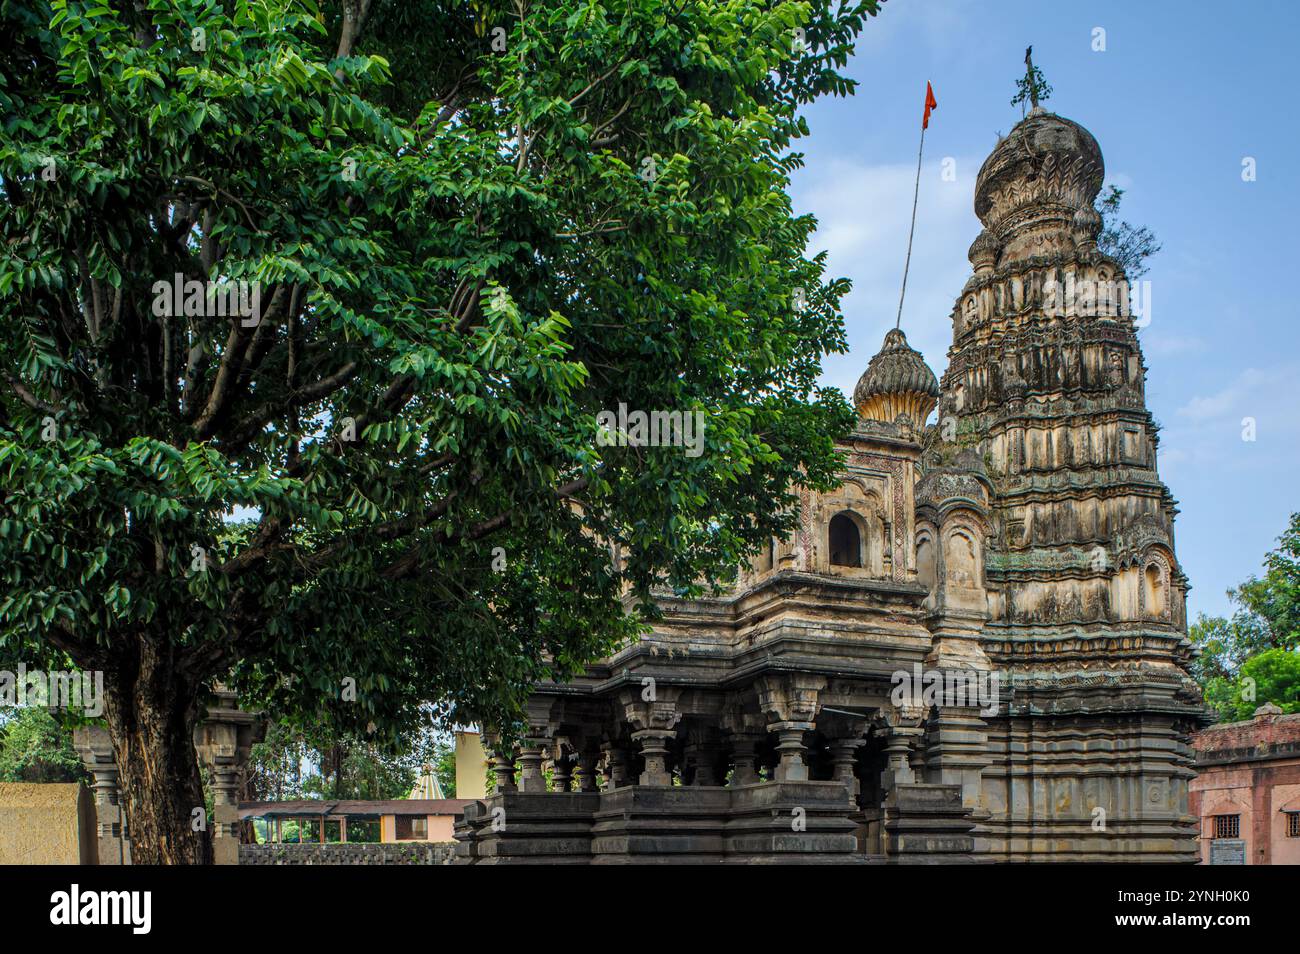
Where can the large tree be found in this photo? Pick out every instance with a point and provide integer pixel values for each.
(467, 229)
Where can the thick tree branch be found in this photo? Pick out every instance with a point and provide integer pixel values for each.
(409, 563)
(598, 133)
(354, 21)
(597, 81)
(27, 397)
(227, 371)
(86, 655)
(217, 190)
(261, 547)
(563, 492)
(253, 424)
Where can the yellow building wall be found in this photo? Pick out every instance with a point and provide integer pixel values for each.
(47, 824)
(471, 766)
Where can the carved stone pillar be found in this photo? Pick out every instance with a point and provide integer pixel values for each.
(744, 754)
(654, 715)
(615, 765)
(654, 749)
(541, 724)
(96, 750)
(503, 766)
(900, 728)
(745, 730)
(790, 702)
(844, 760)
(702, 750)
(586, 771)
(531, 752)
(224, 740)
(791, 764)
(561, 766)
(898, 768)
(706, 772)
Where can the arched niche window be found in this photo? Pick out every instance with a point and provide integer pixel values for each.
(925, 569)
(1153, 583)
(845, 541)
(961, 562)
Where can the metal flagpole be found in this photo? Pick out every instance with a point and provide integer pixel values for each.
(911, 231)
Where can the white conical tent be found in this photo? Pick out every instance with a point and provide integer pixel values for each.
(426, 786)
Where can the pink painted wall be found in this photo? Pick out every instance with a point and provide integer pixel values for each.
(1258, 779)
(440, 828)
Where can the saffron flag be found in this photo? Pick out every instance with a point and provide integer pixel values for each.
(930, 103)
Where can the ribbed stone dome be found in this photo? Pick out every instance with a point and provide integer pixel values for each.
(897, 381)
(1035, 180)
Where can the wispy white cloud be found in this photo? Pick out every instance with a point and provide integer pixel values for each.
(1163, 343)
(1253, 392)
(863, 212)
(1245, 430)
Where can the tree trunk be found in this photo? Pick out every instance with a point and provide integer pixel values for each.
(151, 711)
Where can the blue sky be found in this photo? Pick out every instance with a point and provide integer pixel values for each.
(1182, 93)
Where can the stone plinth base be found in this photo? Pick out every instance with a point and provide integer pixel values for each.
(527, 827)
(768, 822)
(927, 824)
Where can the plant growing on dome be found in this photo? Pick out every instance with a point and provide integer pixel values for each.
(1031, 87)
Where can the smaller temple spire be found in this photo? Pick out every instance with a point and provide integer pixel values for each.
(896, 382)
(427, 785)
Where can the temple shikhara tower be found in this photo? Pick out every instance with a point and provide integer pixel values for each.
(974, 649)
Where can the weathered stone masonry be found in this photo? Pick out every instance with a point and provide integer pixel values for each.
(1025, 535)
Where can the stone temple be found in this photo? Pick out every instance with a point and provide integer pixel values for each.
(973, 650)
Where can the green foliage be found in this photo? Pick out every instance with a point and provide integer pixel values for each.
(1265, 626)
(1276, 597)
(315, 760)
(1128, 244)
(36, 746)
(1272, 676)
(1226, 643)
(444, 765)
(1031, 87)
(463, 255)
